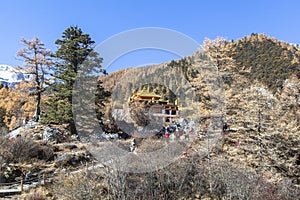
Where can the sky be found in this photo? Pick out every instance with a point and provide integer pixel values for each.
(197, 19)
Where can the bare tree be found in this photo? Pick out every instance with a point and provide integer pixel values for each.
(36, 62)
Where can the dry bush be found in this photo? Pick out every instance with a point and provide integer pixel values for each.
(225, 181)
(172, 183)
(138, 113)
(78, 186)
(185, 179)
(22, 149)
(3, 130)
(284, 190)
(149, 145)
(35, 195)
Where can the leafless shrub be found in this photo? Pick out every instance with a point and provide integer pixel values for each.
(283, 190)
(78, 186)
(22, 149)
(185, 179)
(230, 182)
(149, 145)
(3, 130)
(138, 113)
(45, 153)
(35, 195)
(226, 181)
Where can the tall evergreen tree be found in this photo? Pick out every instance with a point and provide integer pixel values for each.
(74, 48)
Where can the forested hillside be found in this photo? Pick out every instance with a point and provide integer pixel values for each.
(247, 90)
(268, 60)
(261, 84)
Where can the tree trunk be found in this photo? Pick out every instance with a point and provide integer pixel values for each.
(37, 112)
(72, 127)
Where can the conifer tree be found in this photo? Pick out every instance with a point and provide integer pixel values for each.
(219, 53)
(74, 48)
(36, 63)
(101, 97)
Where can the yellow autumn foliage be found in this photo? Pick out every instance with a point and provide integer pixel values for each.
(18, 103)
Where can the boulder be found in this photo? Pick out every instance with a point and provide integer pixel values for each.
(72, 159)
(110, 136)
(53, 135)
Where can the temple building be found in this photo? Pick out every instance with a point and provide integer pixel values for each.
(159, 107)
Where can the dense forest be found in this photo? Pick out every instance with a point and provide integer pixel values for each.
(268, 60)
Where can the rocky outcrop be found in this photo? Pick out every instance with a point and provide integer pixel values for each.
(54, 135)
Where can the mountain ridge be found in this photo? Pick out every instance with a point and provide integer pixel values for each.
(9, 76)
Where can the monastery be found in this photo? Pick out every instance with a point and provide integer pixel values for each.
(159, 107)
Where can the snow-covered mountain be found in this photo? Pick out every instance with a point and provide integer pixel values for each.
(10, 76)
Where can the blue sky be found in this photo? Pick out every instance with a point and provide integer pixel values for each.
(197, 19)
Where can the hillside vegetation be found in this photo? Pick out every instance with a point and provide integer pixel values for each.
(251, 85)
(261, 84)
(268, 60)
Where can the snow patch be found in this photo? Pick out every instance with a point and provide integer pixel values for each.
(10, 76)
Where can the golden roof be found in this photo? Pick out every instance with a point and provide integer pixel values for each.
(147, 94)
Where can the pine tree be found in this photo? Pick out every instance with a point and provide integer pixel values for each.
(36, 62)
(101, 97)
(74, 48)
